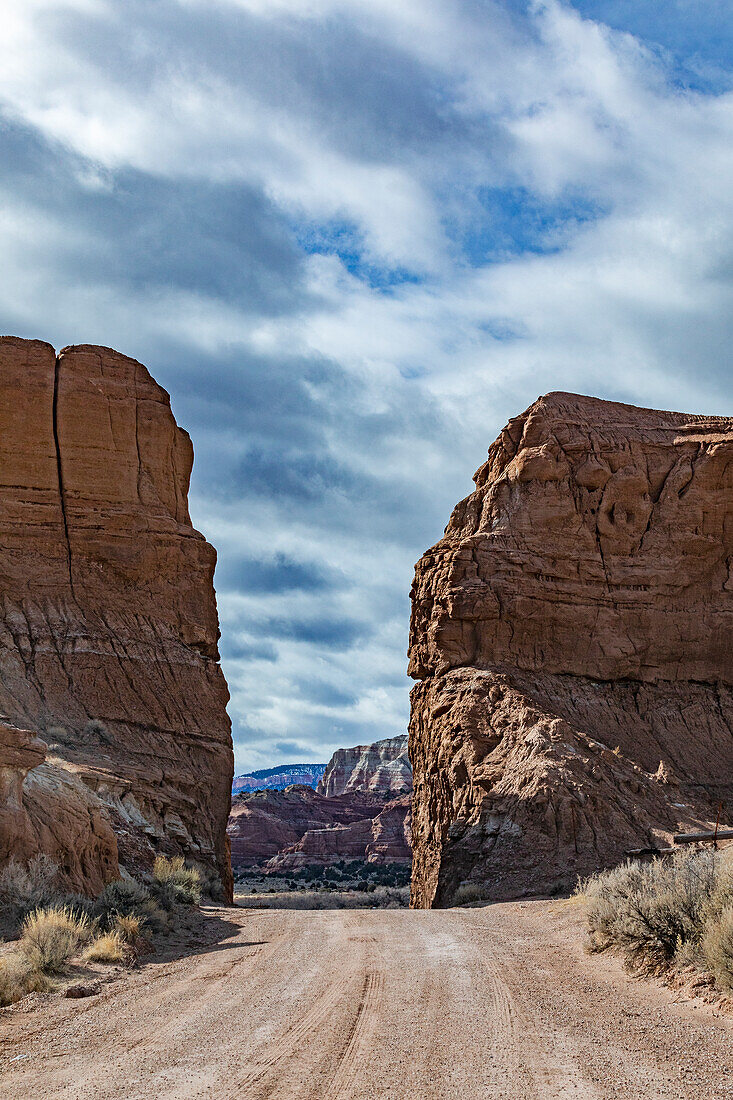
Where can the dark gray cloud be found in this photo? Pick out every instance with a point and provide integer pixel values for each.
(330, 633)
(139, 232)
(366, 94)
(282, 574)
(233, 649)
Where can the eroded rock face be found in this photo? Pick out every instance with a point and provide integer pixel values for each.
(580, 602)
(108, 623)
(45, 809)
(277, 779)
(382, 767)
(298, 826)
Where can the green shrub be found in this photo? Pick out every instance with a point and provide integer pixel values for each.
(50, 937)
(184, 881)
(129, 899)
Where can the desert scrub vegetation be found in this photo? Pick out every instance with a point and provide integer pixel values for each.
(24, 888)
(55, 929)
(469, 892)
(382, 897)
(667, 913)
(18, 977)
(124, 898)
(184, 882)
(109, 947)
(51, 937)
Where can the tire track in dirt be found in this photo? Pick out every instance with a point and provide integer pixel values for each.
(288, 1044)
(359, 1040)
(339, 1044)
(533, 1059)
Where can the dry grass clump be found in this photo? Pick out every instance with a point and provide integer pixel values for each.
(129, 928)
(184, 882)
(109, 947)
(50, 937)
(717, 948)
(666, 912)
(18, 977)
(55, 927)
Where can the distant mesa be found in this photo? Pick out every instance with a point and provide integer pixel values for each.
(276, 779)
(360, 810)
(115, 742)
(572, 635)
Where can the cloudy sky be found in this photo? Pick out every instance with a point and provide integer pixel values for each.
(351, 238)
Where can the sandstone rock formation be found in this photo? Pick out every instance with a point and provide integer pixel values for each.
(382, 767)
(288, 829)
(572, 635)
(108, 623)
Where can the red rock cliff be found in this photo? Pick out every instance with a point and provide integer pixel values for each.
(580, 602)
(108, 623)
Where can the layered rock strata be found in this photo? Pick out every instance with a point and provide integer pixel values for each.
(383, 838)
(46, 810)
(572, 635)
(108, 623)
(288, 829)
(382, 767)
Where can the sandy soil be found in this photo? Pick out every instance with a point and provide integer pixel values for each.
(492, 1002)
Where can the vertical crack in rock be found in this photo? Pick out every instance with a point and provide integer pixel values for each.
(572, 635)
(60, 469)
(137, 434)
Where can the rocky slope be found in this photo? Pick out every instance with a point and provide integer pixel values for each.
(572, 635)
(381, 767)
(288, 829)
(108, 623)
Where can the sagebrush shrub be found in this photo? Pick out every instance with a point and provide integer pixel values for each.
(128, 899)
(50, 937)
(164, 895)
(717, 948)
(468, 892)
(24, 887)
(660, 912)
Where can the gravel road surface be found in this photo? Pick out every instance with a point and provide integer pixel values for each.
(492, 1002)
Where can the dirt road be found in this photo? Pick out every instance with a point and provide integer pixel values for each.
(495, 1002)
